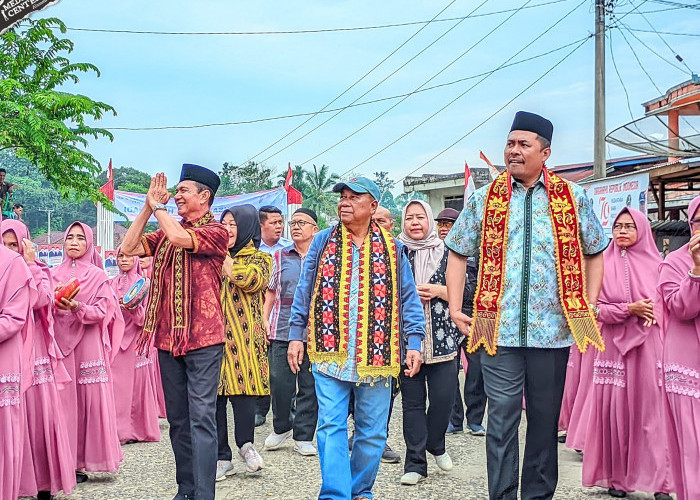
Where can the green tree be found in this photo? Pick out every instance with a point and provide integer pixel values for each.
(248, 178)
(47, 126)
(320, 198)
(128, 179)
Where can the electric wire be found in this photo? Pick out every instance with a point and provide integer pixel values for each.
(538, 37)
(303, 31)
(363, 103)
(650, 49)
(510, 101)
(374, 86)
(351, 86)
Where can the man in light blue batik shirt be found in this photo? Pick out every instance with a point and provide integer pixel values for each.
(533, 334)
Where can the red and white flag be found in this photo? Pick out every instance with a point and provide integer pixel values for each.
(494, 171)
(469, 186)
(108, 188)
(288, 179)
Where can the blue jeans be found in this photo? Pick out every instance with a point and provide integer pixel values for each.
(347, 477)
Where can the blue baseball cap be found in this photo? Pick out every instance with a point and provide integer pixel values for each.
(359, 185)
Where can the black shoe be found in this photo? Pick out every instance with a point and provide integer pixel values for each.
(662, 496)
(562, 439)
(390, 456)
(131, 441)
(616, 493)
(80, 477)
(44, 495)
(259, 420)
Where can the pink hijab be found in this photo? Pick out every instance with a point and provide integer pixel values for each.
(14, 274)
(43, 314)
(680, 260)
(125, 280)
(631, 278)
(92, 280)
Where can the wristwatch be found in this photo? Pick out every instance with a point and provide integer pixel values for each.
(160, 206)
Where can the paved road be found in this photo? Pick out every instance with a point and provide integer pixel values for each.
(148, 473)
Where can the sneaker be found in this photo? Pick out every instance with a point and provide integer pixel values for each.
(251, 457)
(305, 448)
(223, 468)
(390, 456)
(451, 429)
(259, 420)
(476, 430)
(411, 479)
(275, 441)
(444, 462)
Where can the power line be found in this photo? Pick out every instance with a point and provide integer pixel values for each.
(670, 63)
(364, 103)
(350, 87)
(551, 26)
(671, 33)
(303, 31)
(497, 111)
(675, 54)
(376, 85)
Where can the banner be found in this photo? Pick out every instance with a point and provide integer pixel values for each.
(611, 195)
(131, 203)
(55, 255)
(111, 267)
(43, 254)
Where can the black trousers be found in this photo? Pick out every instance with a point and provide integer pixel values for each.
(243, 422)
(285, 386)
(425, 430)
(190, 383)
(262, 405)
(474, 395)
(541, 373)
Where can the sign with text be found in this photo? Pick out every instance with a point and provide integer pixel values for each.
(13, 11)
(111, 267)
(611, 195)
(131, 203)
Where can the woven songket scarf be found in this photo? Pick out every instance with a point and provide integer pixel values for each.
(569, 265)
(378, 304)
(179, 298)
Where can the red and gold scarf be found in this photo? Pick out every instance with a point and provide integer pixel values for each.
(378, 304)
(180, 297)
(563, 213)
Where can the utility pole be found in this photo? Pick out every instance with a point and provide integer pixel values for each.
(48, 212)
(599, 120)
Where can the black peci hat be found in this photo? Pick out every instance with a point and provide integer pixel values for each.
(533, 123)
(200, 174)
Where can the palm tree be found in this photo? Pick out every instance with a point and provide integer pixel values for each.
(319, 197)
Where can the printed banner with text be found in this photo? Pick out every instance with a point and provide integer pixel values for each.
(611, 195)
(130, 203)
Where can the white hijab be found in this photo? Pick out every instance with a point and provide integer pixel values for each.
(429, 250)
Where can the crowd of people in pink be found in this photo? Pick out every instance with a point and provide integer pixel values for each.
(77, 381)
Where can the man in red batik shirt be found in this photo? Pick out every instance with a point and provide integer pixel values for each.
(184, 315)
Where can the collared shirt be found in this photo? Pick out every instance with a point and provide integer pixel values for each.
(281, 243)
(286, 269)
(531, 312)
(206, 261)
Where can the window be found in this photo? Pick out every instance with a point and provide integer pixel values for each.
(456, 202)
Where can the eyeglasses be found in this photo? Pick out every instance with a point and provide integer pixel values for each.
(626, 227)
(445, 223)
(301, 223)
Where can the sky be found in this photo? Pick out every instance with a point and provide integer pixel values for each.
(165, 80)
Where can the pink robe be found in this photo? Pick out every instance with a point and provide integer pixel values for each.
(46, 463)
(573, 377)
(581, 409)
(625, 438)
(16, 297)
(89, 337)
(681, 366)
(134, 382)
